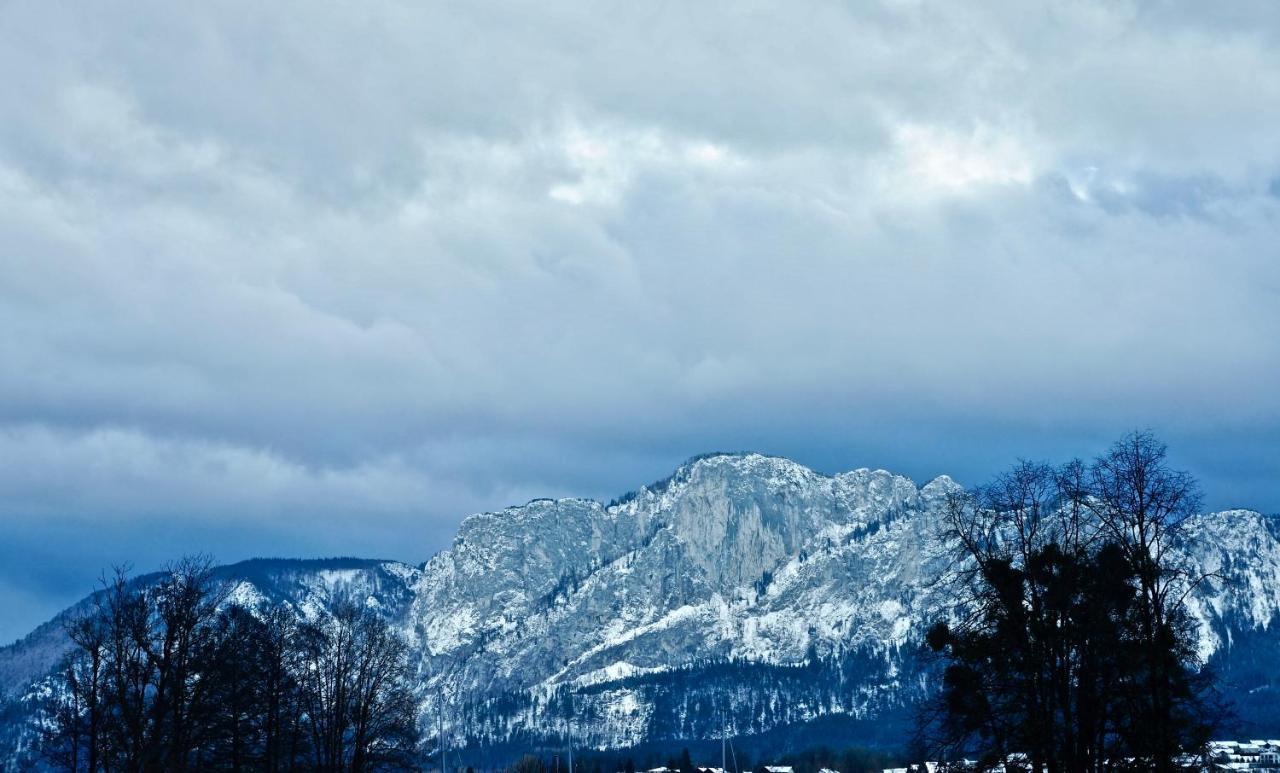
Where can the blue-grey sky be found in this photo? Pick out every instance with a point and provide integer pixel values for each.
(305, 279)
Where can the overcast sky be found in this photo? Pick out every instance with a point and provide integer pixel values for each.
(303, 279)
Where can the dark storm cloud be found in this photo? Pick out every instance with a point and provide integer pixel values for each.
(292, 279)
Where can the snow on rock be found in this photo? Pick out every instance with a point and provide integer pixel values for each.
(742, 593)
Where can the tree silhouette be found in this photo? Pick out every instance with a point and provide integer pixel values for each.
(168, 675)
(1070, 643)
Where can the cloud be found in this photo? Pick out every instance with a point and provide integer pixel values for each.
(304, 280)
(931, 161)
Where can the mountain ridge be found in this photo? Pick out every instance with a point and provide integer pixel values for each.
(744, 593)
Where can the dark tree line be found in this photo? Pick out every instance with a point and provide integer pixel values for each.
(171, 676)
(1072, 645)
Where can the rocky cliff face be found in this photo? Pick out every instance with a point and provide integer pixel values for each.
(745, 595)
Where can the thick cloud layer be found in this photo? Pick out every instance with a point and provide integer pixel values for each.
(299, 279)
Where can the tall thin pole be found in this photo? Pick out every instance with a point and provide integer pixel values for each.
(444, 749)
(724, 737)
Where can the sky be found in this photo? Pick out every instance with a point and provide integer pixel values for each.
(307, 279)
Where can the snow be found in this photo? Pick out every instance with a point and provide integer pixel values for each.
(613, 605)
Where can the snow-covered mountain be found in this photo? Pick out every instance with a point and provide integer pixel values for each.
(744, 594)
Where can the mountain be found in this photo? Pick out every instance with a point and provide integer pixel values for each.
(745, 594)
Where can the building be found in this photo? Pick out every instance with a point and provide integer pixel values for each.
(1255, 755)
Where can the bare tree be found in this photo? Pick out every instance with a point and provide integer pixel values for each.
(359, 708)
(167, 675)
(184, 605)
(1142, 504)
(73, 736)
